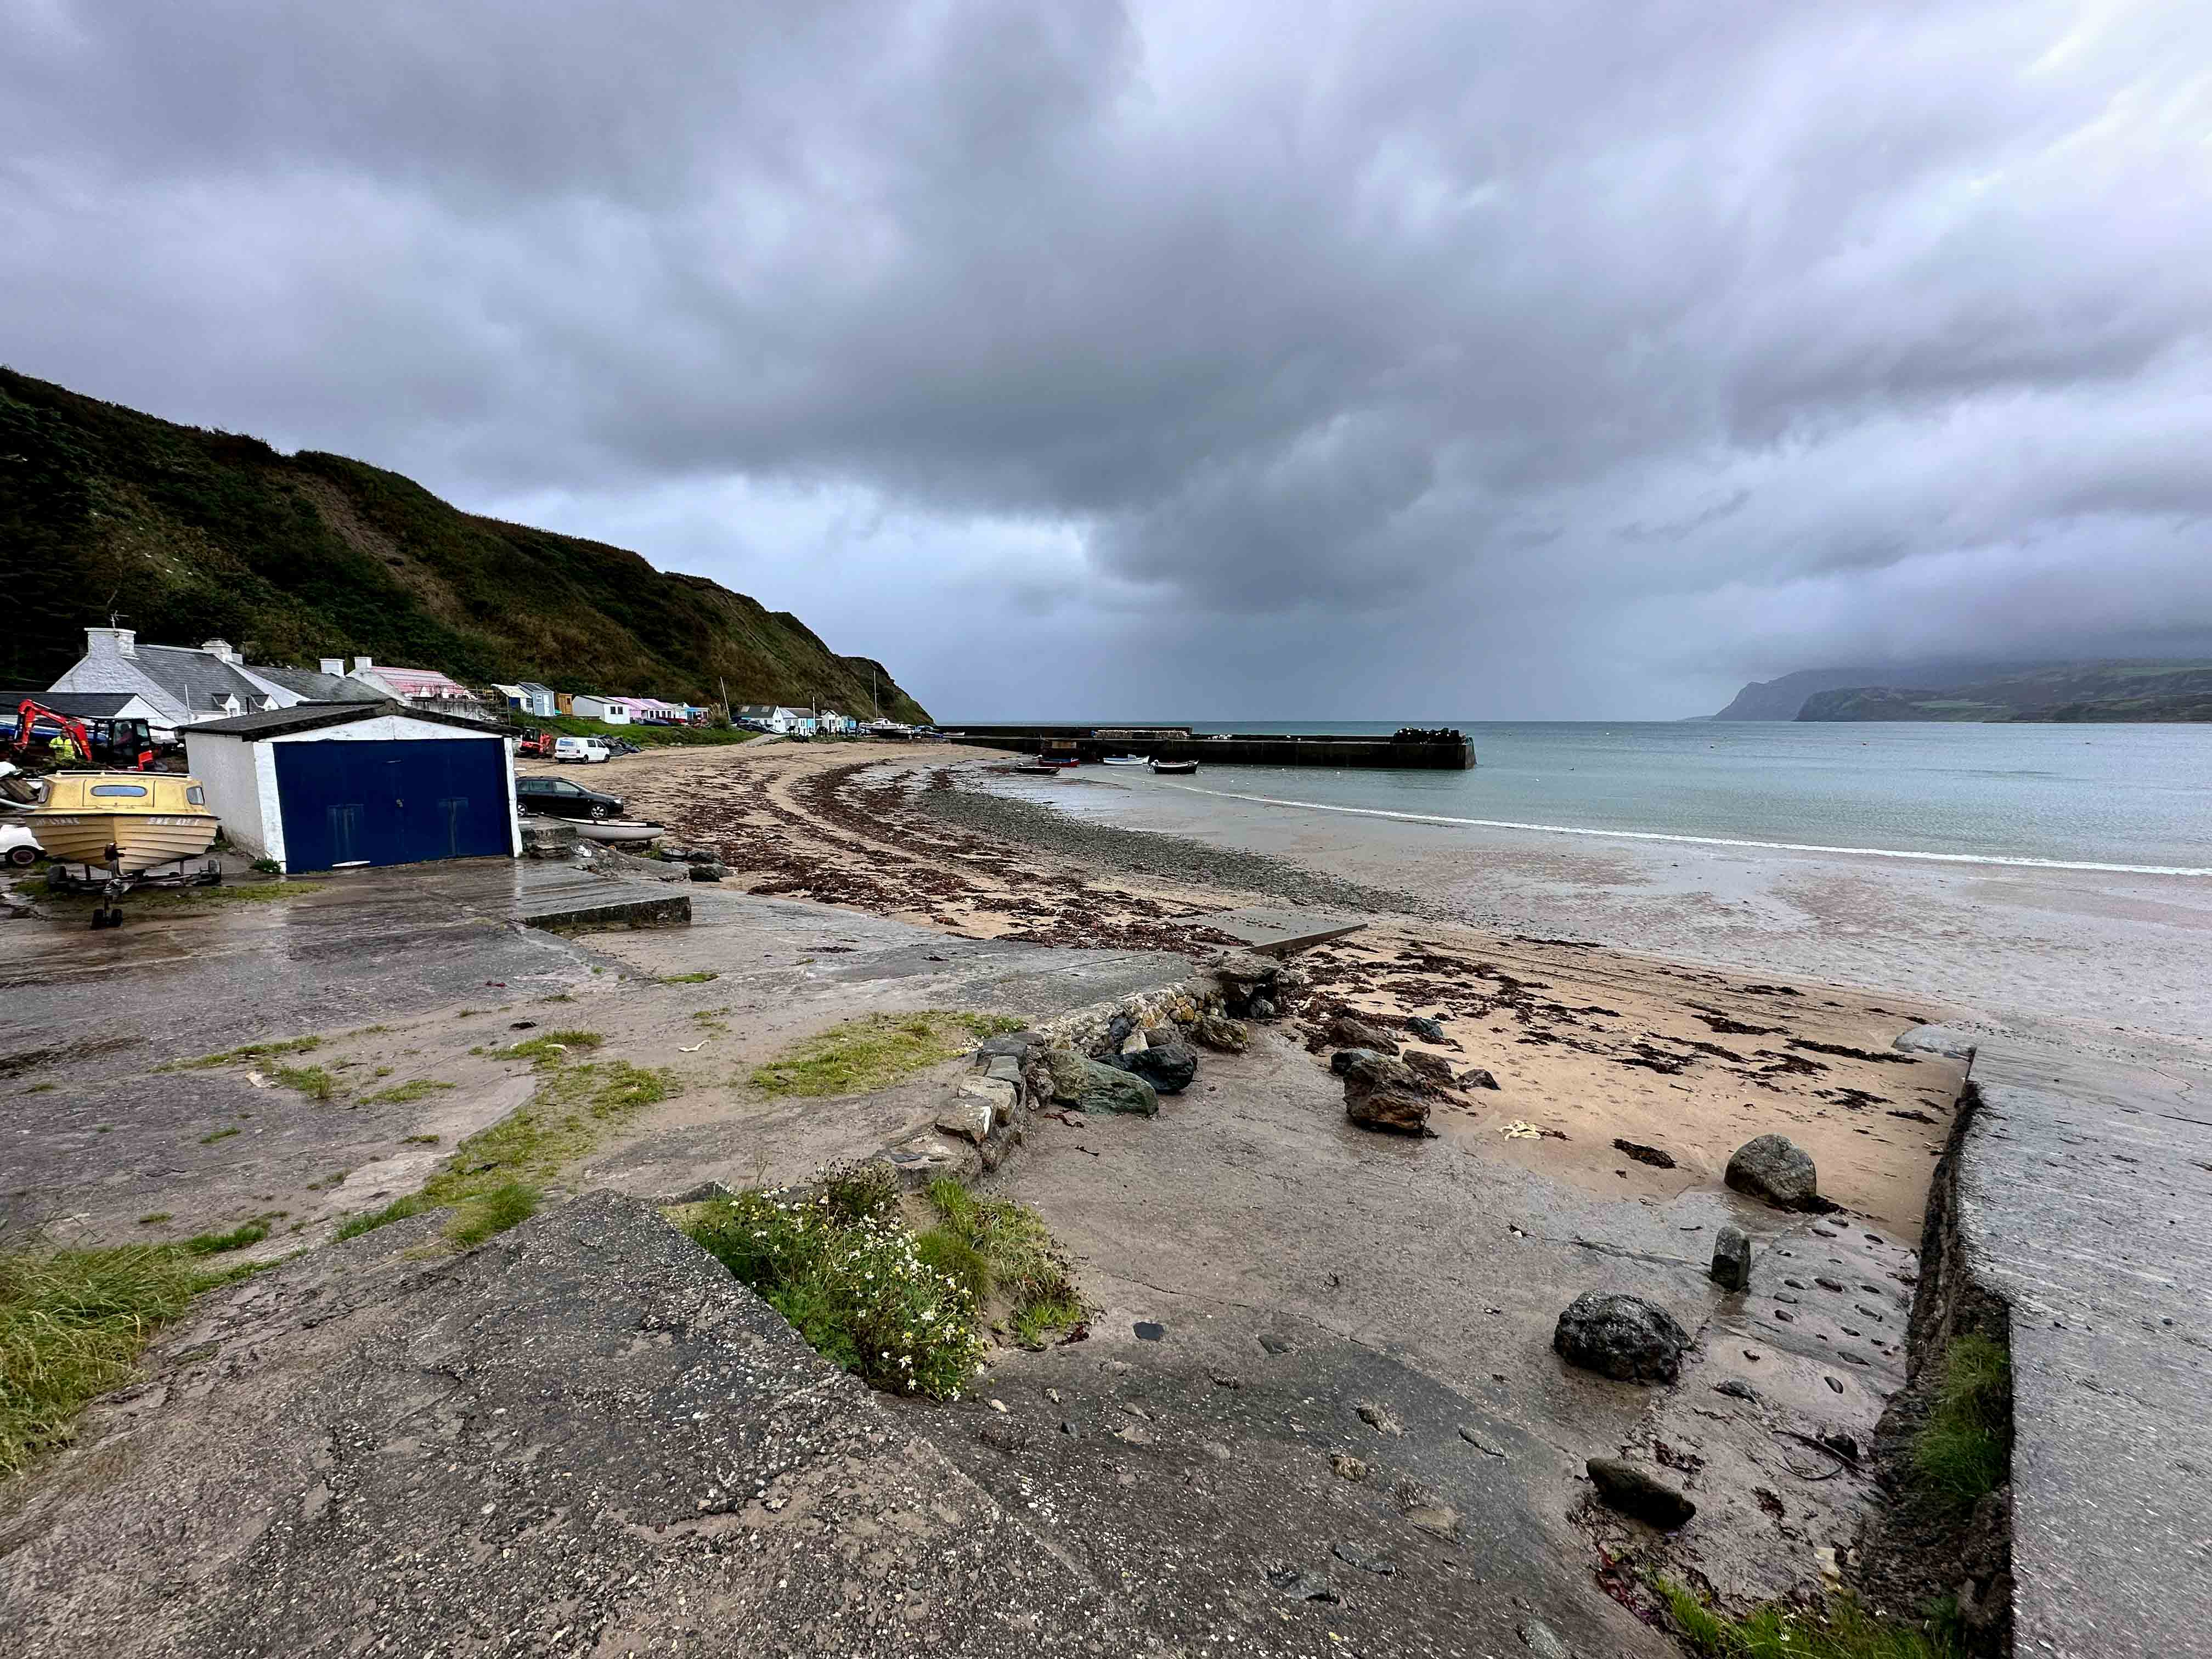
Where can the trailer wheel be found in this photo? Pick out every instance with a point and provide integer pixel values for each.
(22, 857)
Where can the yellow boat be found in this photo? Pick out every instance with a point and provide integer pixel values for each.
(150, 818)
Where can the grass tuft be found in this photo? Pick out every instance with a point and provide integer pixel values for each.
(1841, 1630)
(1009, 1243)
(1964, 1451)
(74, 1322)
(554, 1048)
(507, 1205)
(875, 1052)
(220, 1134)
(688, 979)
(236, 1239)
(311, 1081)
(370, 1220)
(248, 1051)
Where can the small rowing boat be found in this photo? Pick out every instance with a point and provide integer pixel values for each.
(621, 832)
(1178, 767)
(1121, 760)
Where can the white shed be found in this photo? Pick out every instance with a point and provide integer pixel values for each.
(333, 785)
(610, 711)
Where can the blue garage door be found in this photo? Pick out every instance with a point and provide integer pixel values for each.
(392, 803)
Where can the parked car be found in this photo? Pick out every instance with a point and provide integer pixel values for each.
(18, 846)
(580, 749)
(558, 798)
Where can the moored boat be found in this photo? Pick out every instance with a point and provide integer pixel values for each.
(148, 818)
(1177, 767)
(1121, 760)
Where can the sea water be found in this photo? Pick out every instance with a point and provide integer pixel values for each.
(2130, 797)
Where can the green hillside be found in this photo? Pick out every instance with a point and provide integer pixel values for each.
(191, 535)
(2119, 690)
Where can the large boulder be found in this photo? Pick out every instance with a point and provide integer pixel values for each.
(1731, 1268)
(1631, 1490)
(1435, 1067)
(1621, 1336)
(1382, 1093)
(1219, 1032)
(1090, 1085)
(1346, 1031)
(1777, 1171)
(1165, 1061)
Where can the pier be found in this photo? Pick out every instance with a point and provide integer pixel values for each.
(1431, 751)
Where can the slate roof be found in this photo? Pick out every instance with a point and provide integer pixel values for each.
(195, 678)
(318, 687)
(81, 705)
(314, 716)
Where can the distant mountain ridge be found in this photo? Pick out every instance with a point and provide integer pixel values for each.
(2132, 690)
(1781, 699)
(191, 534)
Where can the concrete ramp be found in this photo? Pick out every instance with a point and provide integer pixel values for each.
(583, 1439)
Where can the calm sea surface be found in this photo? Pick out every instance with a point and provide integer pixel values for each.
(2129, 797)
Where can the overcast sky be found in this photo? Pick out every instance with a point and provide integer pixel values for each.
(1414, 359)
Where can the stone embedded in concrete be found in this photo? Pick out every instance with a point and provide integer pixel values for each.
(1222, 1034)
(1731, 1268)
(979, 1104)
(1776, 1170)
(1638, 1492)
(1621, 1336)
(656, 910)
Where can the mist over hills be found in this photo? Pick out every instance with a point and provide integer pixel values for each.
(191, 534)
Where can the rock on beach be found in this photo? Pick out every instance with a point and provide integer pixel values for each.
(1776, 1170)
(1621, 1336)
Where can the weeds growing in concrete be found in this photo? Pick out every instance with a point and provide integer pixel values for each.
(74, 1322)
(1964, 1451)
(220, 1134)
(875, 1052)
(554, 1048)
(687, 979)
(841, 1267)
(996, 1245)
(311, 1081)
(497, 1177)
(1843, 1629)
(248, 1051)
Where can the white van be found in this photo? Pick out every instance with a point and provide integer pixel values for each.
(579, 749)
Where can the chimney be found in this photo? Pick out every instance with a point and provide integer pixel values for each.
(334, 666)
(360, 663)
(111, 642)
(219, 649)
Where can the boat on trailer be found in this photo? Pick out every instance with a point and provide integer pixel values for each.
(123, 830)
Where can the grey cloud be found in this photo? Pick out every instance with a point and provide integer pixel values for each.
(1669, 339)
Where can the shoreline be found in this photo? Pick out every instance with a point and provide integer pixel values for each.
(1590, 1044)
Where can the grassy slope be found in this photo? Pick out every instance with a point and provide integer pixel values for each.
(2147, 690)
(197, 533)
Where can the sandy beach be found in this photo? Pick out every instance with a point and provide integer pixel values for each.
(1590, 1045)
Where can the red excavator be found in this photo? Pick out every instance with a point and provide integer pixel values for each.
(124, 745)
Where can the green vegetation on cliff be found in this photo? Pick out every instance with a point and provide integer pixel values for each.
(193, 534)
(2123, 691)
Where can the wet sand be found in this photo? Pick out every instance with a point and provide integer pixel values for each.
(1588, 1044)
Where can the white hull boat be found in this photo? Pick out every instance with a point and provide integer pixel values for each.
(621, 832)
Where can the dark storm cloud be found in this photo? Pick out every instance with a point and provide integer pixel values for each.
(1569, 359)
